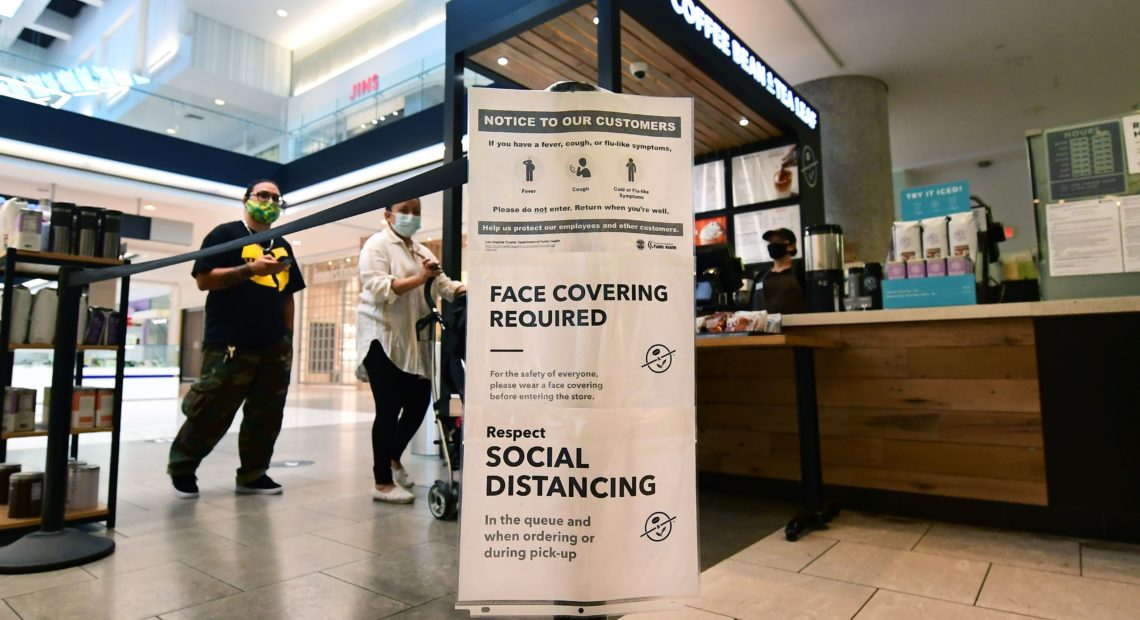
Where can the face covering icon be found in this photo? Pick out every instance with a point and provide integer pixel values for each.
(405, 224)
(263, 211)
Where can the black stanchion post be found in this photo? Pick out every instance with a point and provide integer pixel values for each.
(55, 547)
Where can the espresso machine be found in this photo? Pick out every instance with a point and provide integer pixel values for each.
(823, 264)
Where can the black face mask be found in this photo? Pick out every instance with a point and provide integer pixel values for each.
(777, 250)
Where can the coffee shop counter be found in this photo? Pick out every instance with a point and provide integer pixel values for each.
(1019, 415)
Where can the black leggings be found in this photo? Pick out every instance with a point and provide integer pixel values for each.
(394, 391)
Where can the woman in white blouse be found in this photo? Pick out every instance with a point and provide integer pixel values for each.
(393, 358)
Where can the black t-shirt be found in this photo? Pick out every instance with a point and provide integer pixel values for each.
(251, 314)
(783, 293)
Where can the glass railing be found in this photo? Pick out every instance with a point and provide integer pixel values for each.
(104, 94)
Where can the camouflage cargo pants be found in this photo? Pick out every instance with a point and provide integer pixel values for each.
(260, 378)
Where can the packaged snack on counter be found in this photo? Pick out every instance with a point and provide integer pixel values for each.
(916, 269)
(774, 324)
(896, 270)
(907, 240)
(935, 238)
(935, 267)
(746, 322)
(713, 323)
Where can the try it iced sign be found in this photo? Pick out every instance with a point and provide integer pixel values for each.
(935, 200)
(365, 86)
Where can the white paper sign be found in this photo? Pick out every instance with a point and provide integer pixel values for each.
(1130, 231)
(750, 228)
(579, 469)
(1131, 125)
(1084, 238)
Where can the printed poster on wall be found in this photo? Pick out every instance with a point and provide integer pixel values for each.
(1084, 238)
(1086, 161)
(934, 200)
(579, 469)
(1132, 142)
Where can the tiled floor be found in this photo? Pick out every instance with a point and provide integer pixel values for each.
(325, 550)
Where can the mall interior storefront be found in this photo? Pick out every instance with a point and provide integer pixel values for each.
(982, 473)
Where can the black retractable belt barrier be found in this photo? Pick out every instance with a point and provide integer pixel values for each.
(54, 546)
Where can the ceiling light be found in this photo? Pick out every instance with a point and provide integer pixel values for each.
(743, 122)
(503, 60)
(219, 102)
(171, 130)
(395, 112)
(383, 118)
(282, 13)
(8, 8)
(149, 207)
(348, 260)
(596, 20)
(374, 121)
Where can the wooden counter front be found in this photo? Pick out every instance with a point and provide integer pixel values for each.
(947, 408)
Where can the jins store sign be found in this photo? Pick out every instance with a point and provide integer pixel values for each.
(718, 35)
(364, 87)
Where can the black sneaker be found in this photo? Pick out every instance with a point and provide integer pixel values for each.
(185, 486)
(262, 486)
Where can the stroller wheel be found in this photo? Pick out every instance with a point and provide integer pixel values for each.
(441, 501)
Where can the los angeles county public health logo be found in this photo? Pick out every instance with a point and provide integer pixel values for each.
(658, 358)
(658, 526)
(654, 245)
(641, 244)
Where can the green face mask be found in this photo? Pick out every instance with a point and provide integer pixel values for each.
(264, 212)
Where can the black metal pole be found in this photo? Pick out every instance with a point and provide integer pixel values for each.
(609, 45)
(55, 547)
(5, 335)
(807, 417)
(59, 420)
(120, 365)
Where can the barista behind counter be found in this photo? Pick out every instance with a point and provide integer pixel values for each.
(780, 290)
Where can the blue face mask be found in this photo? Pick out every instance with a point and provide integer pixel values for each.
(405, 224)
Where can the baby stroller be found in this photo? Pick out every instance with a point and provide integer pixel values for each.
(443, 497)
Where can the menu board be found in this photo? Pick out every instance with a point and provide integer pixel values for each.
(708, 186)
(710, 231)
(1086, 161)
(750, 227)
(766, 175)
(1132, 142)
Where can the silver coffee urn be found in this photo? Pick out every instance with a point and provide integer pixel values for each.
(823, 264)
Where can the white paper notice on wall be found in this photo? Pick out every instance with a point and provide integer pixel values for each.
(1084, 238)
(579, 474)
(1132, 142)
(1130, 231)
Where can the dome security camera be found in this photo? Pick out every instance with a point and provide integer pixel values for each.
(639, 69)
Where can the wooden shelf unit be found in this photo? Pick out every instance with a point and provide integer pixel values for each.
(74, 431)
(71, 516)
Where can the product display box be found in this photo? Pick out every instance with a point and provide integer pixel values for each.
(929, 292)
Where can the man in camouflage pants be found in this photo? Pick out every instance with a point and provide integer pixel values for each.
(247, 352)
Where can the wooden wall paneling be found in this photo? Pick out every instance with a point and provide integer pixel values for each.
(754, 392)
(747, 364)
(861, 363)
(996, 428)
(992, 489)
(748, 417)
(975, 333)
(973, 362)
(952, 394)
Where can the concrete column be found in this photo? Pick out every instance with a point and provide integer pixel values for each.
(857, 183)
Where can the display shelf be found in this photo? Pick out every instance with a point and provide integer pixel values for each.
(88, 514)
(74, 431)
(70, 259)
(48, 347)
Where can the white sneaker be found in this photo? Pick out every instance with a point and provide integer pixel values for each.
(402, 478)
(398, 495)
